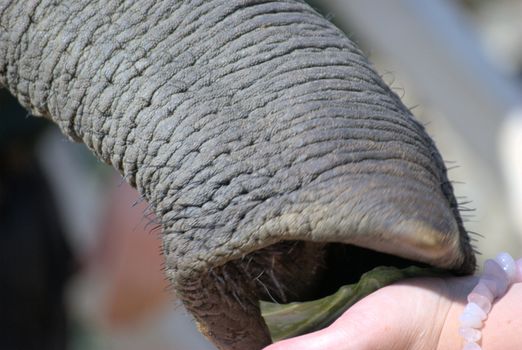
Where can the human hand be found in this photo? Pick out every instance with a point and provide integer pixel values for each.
(407, 315)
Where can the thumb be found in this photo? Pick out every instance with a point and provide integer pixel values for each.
(353, 330)
(328, 338)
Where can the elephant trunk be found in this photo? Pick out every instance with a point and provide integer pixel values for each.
(245, 124)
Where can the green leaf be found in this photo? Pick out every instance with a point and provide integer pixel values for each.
(290, 320)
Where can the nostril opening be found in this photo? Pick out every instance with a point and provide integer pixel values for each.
(345, 264)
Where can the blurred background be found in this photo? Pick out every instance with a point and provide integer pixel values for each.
(80, 263)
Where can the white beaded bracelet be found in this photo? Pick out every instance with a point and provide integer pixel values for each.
(499, 274)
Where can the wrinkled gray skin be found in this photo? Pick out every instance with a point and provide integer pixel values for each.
(258, 132)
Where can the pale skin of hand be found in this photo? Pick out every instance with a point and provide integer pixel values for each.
(420, 314)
